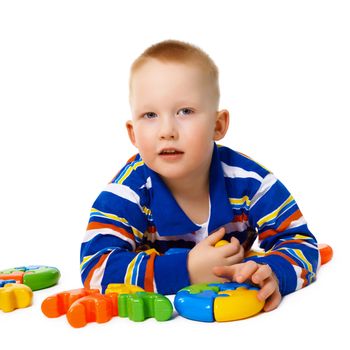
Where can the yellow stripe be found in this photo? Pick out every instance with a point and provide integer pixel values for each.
(85, 259)
(274, 214)
(129, 271)
(130, 169)
(135, 231)
(298, 236)
(302, 257)
(240, 201)
(110, 216)
(146, 211)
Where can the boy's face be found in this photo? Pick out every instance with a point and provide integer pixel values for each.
(174, 118)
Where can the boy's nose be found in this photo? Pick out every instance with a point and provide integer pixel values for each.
(168, 129)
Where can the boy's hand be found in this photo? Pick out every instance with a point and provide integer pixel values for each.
(204, 256)
(262, 275)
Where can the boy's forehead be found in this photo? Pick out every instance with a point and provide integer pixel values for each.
(155, 78)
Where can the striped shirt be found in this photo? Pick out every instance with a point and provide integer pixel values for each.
(136, 220)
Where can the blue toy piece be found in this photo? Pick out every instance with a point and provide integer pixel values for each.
(3, 282)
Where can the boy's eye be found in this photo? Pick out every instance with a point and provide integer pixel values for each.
(185, 111)
(149, 115)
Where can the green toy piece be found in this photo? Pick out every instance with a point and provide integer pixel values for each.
(141, 305)
(34, 276)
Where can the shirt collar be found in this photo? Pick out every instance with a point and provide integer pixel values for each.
(170, 219)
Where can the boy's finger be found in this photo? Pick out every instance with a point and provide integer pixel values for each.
(231, 248)
(263, 272)
(267, 290)
(216, 236)
(246, 271)
(224, 271)
(273, 302)
(234, 255)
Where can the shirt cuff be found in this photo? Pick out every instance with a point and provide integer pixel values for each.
(170, 272)
(283, 270)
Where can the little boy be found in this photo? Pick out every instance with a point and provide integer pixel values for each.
(184, 191)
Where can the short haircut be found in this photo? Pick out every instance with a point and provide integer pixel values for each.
(180, 52)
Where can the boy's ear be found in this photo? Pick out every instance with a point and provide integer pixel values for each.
(221, 124)
(131, 133)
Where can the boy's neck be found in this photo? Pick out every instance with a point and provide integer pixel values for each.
(190, 187)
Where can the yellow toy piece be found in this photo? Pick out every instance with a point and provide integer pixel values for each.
(221, 243)
(15, 296)
(240, 303)
(122, 288)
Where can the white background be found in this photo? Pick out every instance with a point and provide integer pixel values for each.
(285, 78)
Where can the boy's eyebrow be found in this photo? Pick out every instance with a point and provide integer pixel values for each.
(181, 103)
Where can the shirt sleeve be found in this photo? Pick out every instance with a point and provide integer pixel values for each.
(109, 252)
(290, 248)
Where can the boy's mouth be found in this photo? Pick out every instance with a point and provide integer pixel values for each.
(170, 152)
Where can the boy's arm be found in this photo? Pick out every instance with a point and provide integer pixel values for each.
(290, 248)
(108, 253)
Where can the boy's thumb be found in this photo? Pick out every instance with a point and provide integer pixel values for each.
(216, 236)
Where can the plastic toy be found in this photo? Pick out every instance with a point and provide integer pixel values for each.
(82, 306)
(14, 296)
(34, 276)
(218, 302)
(59, 304)
(142, 305)
(326, 253)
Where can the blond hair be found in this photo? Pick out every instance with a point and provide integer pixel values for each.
(180, 52)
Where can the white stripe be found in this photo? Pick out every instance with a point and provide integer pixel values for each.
(265, 186)
(296, 223)
(239, 226)
(148, 184)
(98, 274)
(124, 192)
(90, 234)
(234, 171)
(298, 270)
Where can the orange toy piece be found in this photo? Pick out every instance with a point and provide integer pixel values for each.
(15, 275)
(326, 253)
(58, 304)
(98, 308)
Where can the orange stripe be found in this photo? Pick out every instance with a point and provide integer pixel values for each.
(89, 276)
(287, 221)
(267, 233)
(98, 225)
(290, 241)
(240, 218)
(284, 256)
(151, 229)
(283, 226)
(303, 276)
(149, 275)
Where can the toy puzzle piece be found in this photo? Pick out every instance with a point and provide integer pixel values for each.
(58, 304)
(123, 288)
(82, 306)
(142, 305)
(218, 302)
(15, 296)
(34, 276)
(98, 308)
